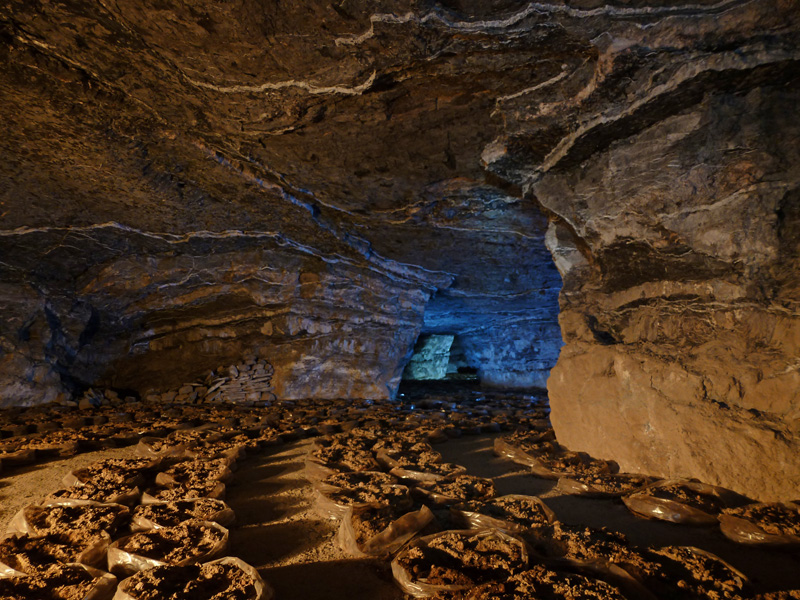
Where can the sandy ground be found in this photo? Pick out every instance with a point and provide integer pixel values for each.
(279, 532)
(767, 569)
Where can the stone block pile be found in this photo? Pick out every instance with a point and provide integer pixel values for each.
(248, 383)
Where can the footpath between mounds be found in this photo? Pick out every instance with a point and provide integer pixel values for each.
(479, 539)
(403, 492)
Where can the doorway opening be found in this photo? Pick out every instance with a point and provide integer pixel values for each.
(439, 357)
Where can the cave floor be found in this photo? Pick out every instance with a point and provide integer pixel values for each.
(279, 532)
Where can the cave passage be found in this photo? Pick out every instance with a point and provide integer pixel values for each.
(426, 252)
(439, 357)
(430, 359)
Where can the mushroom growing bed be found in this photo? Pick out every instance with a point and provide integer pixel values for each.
(487, 527)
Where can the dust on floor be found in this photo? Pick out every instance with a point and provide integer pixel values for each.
(279, 532)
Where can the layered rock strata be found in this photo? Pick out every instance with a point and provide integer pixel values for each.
(140, 310)
(182, 184)
(670, 165)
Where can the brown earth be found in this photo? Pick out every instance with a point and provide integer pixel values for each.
(296, 551)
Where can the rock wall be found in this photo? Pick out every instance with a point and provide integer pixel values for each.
(670, 166)
(503, 303)
(311, 140)
(136, 310)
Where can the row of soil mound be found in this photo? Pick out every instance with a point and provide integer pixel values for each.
(157, 526)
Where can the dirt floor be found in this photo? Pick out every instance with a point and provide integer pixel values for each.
(295, 550)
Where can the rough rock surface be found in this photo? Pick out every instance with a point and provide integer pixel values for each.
(430, 359)
(182, 183)
(673, 176)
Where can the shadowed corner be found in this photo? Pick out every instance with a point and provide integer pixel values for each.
(356, 579)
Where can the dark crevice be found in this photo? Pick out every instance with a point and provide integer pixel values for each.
(629, 263)
(601, 335)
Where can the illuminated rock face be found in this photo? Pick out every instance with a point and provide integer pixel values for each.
(183, 186)
(670, 164)
(328, 180)
(156, 309)
(686, 328)
(430, 359)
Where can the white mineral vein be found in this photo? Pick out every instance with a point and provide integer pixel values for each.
(530, 9)
(311, 88)
(536, 87)
(390, 267)
(730, 61)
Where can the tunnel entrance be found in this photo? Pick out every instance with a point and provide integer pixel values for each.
(459, 368)
(439, 357)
